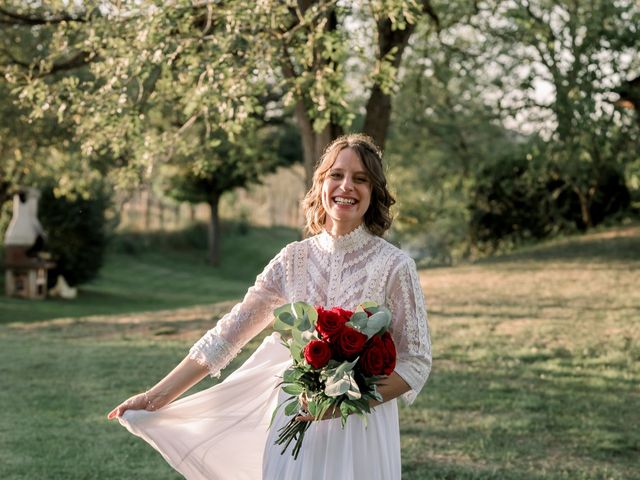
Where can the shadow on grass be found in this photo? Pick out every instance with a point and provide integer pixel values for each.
(131, 327)
(526, 417)
(614, 246)
(89, 302)
(441, 470)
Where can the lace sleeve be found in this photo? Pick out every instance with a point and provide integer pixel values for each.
(222, 343)
(410, 328)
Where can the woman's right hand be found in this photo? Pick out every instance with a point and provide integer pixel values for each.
(140, 401)
(179, 380)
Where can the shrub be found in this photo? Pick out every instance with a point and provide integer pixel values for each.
(515, 199)
(76, 229)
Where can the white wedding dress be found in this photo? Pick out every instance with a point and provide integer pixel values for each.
(222, 432)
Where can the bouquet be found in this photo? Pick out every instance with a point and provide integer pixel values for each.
(338, 356)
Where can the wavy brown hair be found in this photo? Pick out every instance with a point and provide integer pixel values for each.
(377, 217)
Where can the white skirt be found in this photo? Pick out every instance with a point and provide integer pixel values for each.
(222, 432)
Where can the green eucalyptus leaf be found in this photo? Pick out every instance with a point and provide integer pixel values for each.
(299, 308)
(312, 314)
(293, 389)
(358, 321)
(337, 388)
(303, 323)
(291, 408)
(344, 368)
(296, 336)
(348, 407)
(296, 351)
(375, 394)
(312, 407)
(287, 318)
(377, 322)
(291, 375)
(325, 406)
(280, 326)
(284, 308)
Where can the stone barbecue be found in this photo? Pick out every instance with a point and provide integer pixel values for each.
(26, 264)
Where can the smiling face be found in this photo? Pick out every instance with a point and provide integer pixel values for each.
(346, 193)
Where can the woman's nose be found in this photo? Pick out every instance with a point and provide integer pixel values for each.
(347, 183)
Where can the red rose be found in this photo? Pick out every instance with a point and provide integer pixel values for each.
(379, 356)
(317, 353)
(348, 343)
(389, 353)
(346, 314)
(372, 359)
(330, 322)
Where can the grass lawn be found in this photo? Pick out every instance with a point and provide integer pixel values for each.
(155, 272)
(536, 366)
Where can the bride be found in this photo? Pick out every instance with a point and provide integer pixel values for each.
(223, 432)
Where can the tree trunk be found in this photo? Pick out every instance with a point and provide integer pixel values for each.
(161, 214)
(313, 143)
(176, 216)
(213, 230)
(147, 211)
(378, 110)
(585, 213)
(378, 116)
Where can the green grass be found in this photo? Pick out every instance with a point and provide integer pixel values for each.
(536, 365)
(161, 271)
(536, 371)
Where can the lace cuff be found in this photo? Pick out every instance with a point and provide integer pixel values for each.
(415, 372)
(214, 352)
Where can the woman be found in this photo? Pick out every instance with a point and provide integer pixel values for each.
(223, 432)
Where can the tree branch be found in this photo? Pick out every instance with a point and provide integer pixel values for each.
(427, 8)
(15, 18)
(79, 60)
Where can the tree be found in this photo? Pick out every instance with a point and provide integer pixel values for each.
(212, 64)
(36, 144)
(316, 44)
(226, 166)
(471, 112)
(580, 50)
(444, 131)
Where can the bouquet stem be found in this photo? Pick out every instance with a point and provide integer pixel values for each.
(293, 430)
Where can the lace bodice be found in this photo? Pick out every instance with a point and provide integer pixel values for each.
(331, 271)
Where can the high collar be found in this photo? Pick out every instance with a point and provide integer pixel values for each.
(344, 243)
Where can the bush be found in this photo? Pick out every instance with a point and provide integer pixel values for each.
(516, 199)
(76, 230)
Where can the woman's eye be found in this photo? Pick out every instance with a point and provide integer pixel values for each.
(335, 175)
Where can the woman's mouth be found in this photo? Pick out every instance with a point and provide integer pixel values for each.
(344, 201)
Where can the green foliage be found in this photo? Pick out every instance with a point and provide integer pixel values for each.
(186, 89)
(212, 170)
(135, 81)
(507, 82)
(77, 233)
(521, 196)
(378, 320)
(298, 320)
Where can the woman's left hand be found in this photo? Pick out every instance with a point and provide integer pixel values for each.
(305, 416)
